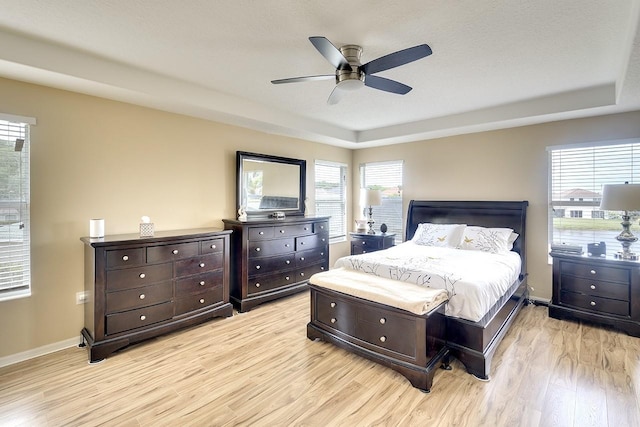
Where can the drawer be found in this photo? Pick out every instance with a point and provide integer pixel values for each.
(321, 227)
(211, 246)
(264, 283)
(139, 297)
(259, 233)
(268, 265)
(138, 318)
(335, 313)
(164, 253)
(293, 230)
(595, 287)
(262, 248)
(610, 274)
(199, 283)
(313, 256)
(123, 258)
(306, 272)
(387, 331)
(372, 244)
(199, 264)
(194, 302)
(595, 304)
(138, 276)
(310, 242)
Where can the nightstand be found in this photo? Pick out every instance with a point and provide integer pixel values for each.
(362, 242)
(599, 290)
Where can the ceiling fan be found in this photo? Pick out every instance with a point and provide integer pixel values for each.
(351, 75)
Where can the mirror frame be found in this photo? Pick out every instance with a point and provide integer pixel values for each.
(302, 165)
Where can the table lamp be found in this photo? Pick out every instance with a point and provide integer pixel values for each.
(371, 198)
(622, 197)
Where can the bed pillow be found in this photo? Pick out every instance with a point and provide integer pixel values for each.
(444, 235)
(491, 240)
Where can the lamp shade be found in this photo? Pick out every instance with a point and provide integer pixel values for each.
(620, 197)
(372, 197)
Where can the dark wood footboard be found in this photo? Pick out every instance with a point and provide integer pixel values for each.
(412, 345)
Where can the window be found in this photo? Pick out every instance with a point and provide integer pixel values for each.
(387, 177)
(15, 271)
(577, 176)
(331, 197)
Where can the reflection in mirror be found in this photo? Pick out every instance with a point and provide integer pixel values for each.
(268, 183)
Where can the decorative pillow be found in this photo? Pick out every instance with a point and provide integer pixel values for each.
(484, 239)
(446, 235)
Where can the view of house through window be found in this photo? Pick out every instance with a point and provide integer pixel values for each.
(331, 197)
(386, 177)
(15, 276)
(577, 176)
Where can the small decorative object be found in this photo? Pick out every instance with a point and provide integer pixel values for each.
(383, 228)
(622, 197)
(242, 214)
(96, 228)
(597, 249)
(278, 215)
(371, 198)
(146, 227)
(361, 225)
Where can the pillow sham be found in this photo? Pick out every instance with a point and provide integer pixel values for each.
(443, 235)
(485, 239)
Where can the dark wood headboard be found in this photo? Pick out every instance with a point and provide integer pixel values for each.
(485, 214)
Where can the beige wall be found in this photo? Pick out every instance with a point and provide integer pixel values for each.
(508, 164)
(91, 158)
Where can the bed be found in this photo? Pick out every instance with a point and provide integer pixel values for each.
(428, 339)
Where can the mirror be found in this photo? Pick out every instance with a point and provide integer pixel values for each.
(268, 184)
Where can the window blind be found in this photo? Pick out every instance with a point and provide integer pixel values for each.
(15, 262)
(387, 177)
(577, 176)
(331, 197)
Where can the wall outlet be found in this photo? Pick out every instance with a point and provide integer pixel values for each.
(82, 297)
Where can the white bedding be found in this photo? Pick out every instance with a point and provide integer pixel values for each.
(474, 280)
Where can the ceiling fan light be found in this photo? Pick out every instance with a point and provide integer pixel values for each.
(351, 84)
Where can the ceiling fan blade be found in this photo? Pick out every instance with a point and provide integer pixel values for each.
(397, 59)
(336, 95)
(386, 84)
(304, 79)
(329, 51)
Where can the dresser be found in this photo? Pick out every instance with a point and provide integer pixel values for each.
(362, 242)
(598, 290)
(273, 258)
(143, 287)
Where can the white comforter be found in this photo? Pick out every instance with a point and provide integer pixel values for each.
(474, 280)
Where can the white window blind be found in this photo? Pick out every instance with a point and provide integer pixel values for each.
(15, 271)
(331, 197)
(577, 176)
(387, 177)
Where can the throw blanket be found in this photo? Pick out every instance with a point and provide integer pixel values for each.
(474, 280)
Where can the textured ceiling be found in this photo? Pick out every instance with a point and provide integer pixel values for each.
(495, 64)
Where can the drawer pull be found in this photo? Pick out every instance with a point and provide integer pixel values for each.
(301, 258)
(302, 274)
(282, 231)
(261, 233)
(333, 304)
(125, 258)
(333, 320)
(593, 303)
(143, 317)
(592, 272)
(213, 246)
(383, 339)
(286, 245)
(201, 265)
(383, 320)
(202, 283)
(257, 267)
(257, 249)
(142, 296)
(301, 243)
(324, 240)
(175, 252)
(257, 285)
(322, 268)
(592, 286)
(287, 262)
(306, 229)
(364, 243)
(321, 253)
(322, 227)
(287, 278)
(201, 300)
(142, 275)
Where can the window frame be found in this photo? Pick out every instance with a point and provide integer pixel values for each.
(392, 225)
(341, 236)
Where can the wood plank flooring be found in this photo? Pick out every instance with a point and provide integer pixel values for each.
(258, 368)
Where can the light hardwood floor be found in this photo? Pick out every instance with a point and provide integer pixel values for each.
(258, 368)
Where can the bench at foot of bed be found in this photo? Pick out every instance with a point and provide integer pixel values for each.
(411, 344)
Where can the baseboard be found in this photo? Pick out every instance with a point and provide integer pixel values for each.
(40, 351)
(539, 301)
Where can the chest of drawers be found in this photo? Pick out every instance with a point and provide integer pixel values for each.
(275, 258)
(600, 290)
(362, 243)
(139, 288)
